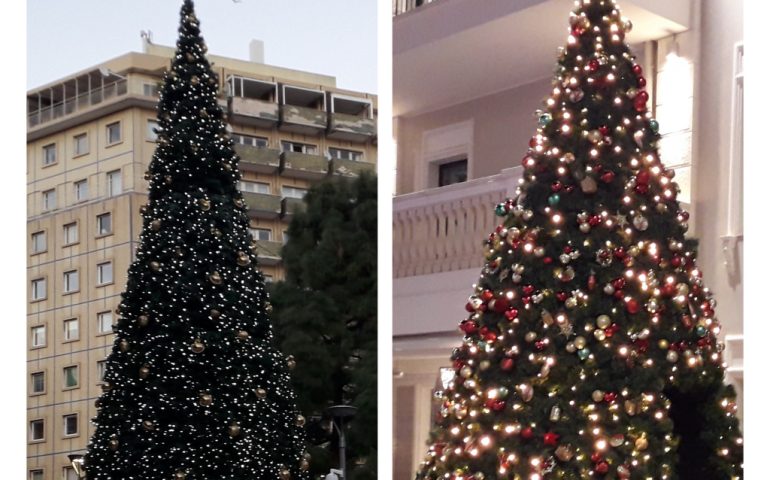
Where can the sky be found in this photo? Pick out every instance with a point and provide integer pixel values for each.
(330, 37)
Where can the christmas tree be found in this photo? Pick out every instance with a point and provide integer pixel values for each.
(590, 349)
(326, 315)
(194, 388)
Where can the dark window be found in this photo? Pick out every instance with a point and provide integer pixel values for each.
(452, 172)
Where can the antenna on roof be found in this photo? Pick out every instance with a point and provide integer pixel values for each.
(146, 39)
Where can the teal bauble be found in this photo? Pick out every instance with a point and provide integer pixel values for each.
(553, 200)
(500, 210)
(654, 126)
(583, 353)
(544, 119)
(700, 330)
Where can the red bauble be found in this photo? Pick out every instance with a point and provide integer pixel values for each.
(618, 294)
(637, 69)
(641, 82)
(511, 313)
(602, 468)
(668, 290)
(506, 364)
(620, 253)
(676, 261)
(591, 282)
(604, 130)
(469, 327)
(487, 295)
(593, 65)
(643, 177)
(642, 189)
(643, 94)
(556, 186)
(594, 220)
(596, 457)
(527, 433)
(528, 290)
(561, 296)
(610, 397)
(619, 283)
(640, 104)
(607, 177)
(540, 345)
(551, 439)
(547, 260)
(525, 162)
(501, 304)
(632, 305)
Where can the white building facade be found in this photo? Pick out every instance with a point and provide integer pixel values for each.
(468, 77)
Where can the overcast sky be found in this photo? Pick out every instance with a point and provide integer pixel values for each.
(331, 37)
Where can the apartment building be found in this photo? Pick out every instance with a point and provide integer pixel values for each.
(89, 141)
(468, 77)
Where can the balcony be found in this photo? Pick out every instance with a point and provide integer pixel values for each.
(442, 229)
(351, 168)
(351, 128)
(304, 165)
(263, 205)
(269, 252)
(403, 6)
(254, 112)
(303, 110)
(260, 160)
(290, 206)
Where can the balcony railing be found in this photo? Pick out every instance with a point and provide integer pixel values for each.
(442, 229)
(71, 105)
(404, 6)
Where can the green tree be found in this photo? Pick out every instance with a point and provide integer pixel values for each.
(195, 388)
(326, 315)
(591, 348)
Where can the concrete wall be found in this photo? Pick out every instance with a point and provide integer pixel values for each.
(502, 126)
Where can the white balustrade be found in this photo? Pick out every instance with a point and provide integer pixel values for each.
(443, 229)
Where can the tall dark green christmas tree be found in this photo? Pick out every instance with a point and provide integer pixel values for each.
(194, 387)
(591, 347)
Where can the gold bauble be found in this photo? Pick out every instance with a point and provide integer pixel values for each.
(630, 407)
(603, 321)
(215, 278)
(300, 421)
(564, 453)
(143, 320)
(214, 313)
(242, 335)
(147, 175)
(114, 444)
(243, 259)
(269, 307)
(197, 346)
(143, 209)
(168, 179)
(641, 443)
(304, 465)
(124, 345)
(290, 362)
(106, 387)
(261, 393)
(195, 80)
(216, 232)
(189, 57)
(284, 473)
(234, 430)
(227, 166)
(205, 204)
(179, 252)
(155, 225)
(148, 425)
(205, 399)
(180, 475)
(238, 202)
(597, 396)
(144, 372)
(155, 266)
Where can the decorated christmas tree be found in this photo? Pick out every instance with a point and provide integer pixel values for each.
(590, 348)
(194, 388)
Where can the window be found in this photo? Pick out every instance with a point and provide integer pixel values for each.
(101, 369)
(38, 289)
(260, 142)
(37, 430)
(71, 330)
(37, 381)
(104, 321)
(342, 154)
(49, 154)
(71, 281)
(38, 242)
(285, 237)
(151, 126)
(287, 146)
(104, 224)
(104, 273)
(69, 474)
(293, 192)
(38, 336)
(81, 190)
(452, 172)
(150, 89)
(268, 278)
(114, 183)
(49, 199)
(70, 233)
(81, 144)
(113, 133)
(36, 474)
(71, 375)
(261, 234)
(70, 424)
(254, 187)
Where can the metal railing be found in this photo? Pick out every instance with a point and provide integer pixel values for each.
(404, 6)
(71, 105)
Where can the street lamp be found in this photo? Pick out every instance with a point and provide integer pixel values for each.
(340, 414)
(78, 464)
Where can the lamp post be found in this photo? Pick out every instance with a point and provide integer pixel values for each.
(340, 414)
(78, 464)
